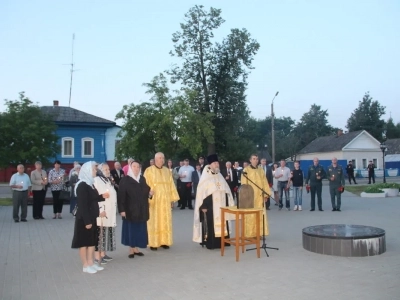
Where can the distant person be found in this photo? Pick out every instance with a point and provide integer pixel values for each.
(297, 182)
(177, 181)
(371, 172)
(20, 184)
(350, 172)
(73, 181)
(282, 174)
(185, 175)
(314, 178)
(335, 176)
(268, 173)
(128, 163)
(196, 175)
(116, 174)
(238, 169)
(56, 180)
(39, 182)
(231, 177)
(201, 162)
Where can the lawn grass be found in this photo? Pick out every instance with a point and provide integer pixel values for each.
(355, 189)
(5, 202)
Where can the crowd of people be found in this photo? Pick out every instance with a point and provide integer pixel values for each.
(145, 199)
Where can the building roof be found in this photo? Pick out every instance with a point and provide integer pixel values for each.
(393, 146)
(330, 143)
(64, 114)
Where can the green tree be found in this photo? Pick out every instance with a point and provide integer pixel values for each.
(392, 130)
(217, 72)
(313, 124)
(27, 134)
(367, 116)
(166, 123)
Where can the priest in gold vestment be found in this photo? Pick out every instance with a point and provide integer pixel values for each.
(213, 192)
(159, 225)
(257, 175)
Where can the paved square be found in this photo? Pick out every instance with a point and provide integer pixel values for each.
(37, 262)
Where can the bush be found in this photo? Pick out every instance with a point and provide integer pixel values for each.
(373, 189)
(388, 185)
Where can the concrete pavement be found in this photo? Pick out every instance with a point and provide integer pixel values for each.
(37, 262)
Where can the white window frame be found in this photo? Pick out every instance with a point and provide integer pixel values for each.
(375, 162)
(72, 140)
(354, 161)
(364, 163)
(87, 139)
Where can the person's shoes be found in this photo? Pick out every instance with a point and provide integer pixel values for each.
(276, 204)
(179, 205)
(55, 217)
(288, 208)
(89, 270)
(107, 258)
(24, 220)
(16, 221)
(153, 248)
(312, 209)
(41, 218)
(139, 254)
(97, 267)
(59, 216)
(100, 262)
(355, 183)
(320, 209)
(369, 182)
(267, 208)
(300, 209)
(280, 208)
(131, 255)
(182, 208)
(338, 209)
(334, 209)
(164, 246)
(191, 208)
(295, 207)
(36, 218)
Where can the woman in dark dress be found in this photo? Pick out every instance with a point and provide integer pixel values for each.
(133, 205)
(85, 237)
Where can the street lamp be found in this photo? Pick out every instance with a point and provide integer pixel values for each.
(262, 150)
(272, 127)
(383, 148)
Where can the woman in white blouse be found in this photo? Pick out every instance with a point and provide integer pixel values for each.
(107, 221)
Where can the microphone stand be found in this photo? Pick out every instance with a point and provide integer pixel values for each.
(264, 244)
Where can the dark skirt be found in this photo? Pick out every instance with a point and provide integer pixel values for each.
(134, 234)
(84, 237)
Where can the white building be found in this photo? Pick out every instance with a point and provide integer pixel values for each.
(112, 141)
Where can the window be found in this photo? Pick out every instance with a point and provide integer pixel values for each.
(374, 161)
(364, 163)
(354, 163)
(87, 147)
(67, 147)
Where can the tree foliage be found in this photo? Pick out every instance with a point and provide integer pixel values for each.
(367, 116)
(392, 131)
(166, 123)
(217, 72)
(27, 134)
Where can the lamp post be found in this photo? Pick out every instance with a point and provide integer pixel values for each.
(383, 148)
(273, 128)
(262, 150)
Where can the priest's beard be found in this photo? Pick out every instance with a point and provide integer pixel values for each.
(216, 170)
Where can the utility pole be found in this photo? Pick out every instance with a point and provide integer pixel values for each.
(273, 128)
(72, 70)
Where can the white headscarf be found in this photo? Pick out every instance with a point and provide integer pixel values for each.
(130, 173)
(86, 174)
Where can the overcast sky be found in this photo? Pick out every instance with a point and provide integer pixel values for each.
(324, 52)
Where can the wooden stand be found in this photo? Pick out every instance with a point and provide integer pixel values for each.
(240, 239)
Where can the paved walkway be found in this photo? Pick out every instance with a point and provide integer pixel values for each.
(36, 261)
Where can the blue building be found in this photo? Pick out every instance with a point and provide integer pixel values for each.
(82, 136)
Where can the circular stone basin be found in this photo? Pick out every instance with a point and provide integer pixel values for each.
(344, 240)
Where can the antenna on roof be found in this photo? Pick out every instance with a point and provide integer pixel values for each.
(72, 69)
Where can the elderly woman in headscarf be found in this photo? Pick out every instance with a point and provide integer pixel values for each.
(85, 234)
(106, 224)
(133, 205)
(73, 179)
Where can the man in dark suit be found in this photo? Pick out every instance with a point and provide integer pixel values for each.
(196, 178)
(116, 174)
(231, 177)
(268, 173)
(201, 163)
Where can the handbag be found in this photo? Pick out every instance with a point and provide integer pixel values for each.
(65, 193)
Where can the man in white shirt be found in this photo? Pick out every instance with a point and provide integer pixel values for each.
(283, 175)
(21, 185)
(185, 175)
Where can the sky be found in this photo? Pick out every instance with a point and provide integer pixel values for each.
(324, 52)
